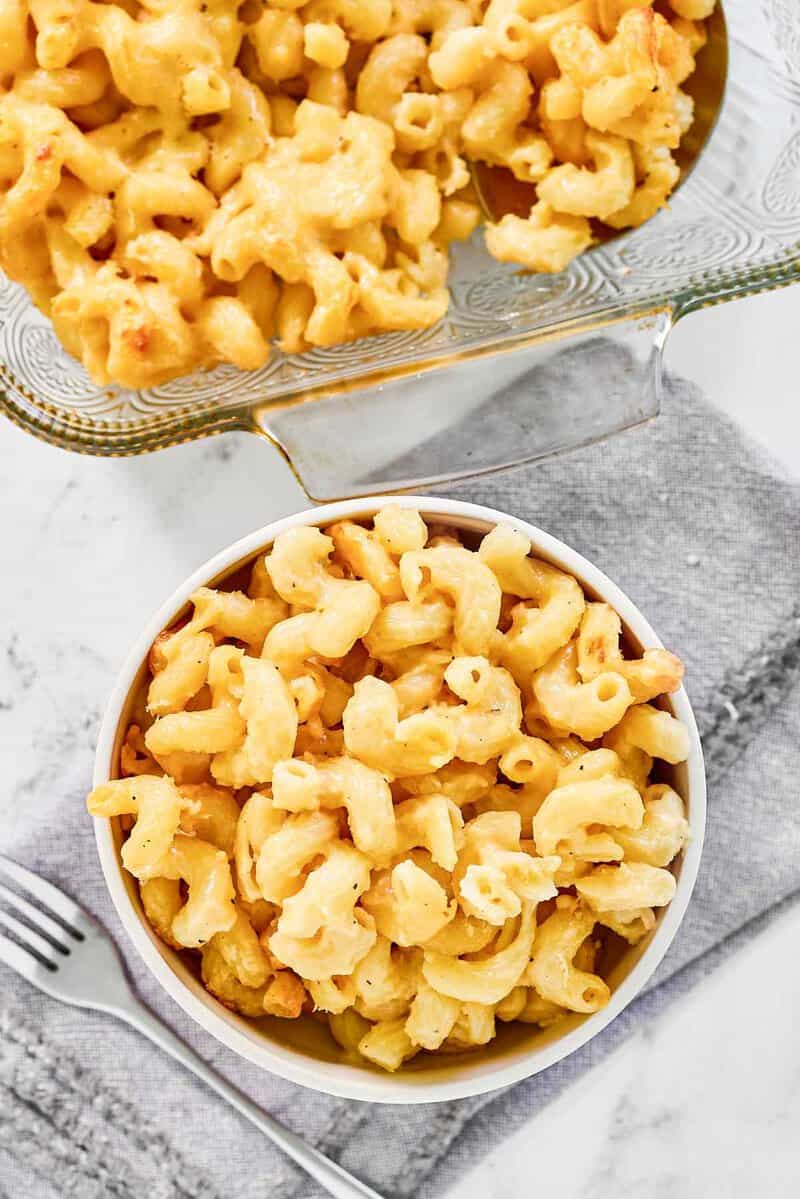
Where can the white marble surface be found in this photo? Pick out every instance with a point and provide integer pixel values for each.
(703, 1105)
(706, 1103)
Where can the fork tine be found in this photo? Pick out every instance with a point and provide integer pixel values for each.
(29, 937)
(23, 962)
(54, 899)
(41, 921)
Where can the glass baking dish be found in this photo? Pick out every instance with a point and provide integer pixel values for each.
(499, 380)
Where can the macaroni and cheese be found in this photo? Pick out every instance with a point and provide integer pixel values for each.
(184, 183)
(402, 782)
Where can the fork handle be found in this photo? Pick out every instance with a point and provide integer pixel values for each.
(328, 1174)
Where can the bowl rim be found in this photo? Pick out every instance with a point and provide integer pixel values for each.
(340, 1079)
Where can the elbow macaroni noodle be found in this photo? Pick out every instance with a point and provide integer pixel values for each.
(181, 185)
(450, 834)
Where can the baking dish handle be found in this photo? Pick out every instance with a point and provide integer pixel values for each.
(518, 403)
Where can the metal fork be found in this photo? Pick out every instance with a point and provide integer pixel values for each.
(62, 950)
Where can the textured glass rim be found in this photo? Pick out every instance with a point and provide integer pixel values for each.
(122, 438)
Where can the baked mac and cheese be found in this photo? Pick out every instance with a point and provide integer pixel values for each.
(404, 783)
(183, 183)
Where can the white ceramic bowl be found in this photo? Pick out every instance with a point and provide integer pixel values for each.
(301, 1050)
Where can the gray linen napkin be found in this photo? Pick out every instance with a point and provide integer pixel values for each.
(696, 526)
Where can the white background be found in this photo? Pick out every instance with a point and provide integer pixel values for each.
(707, 1101)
